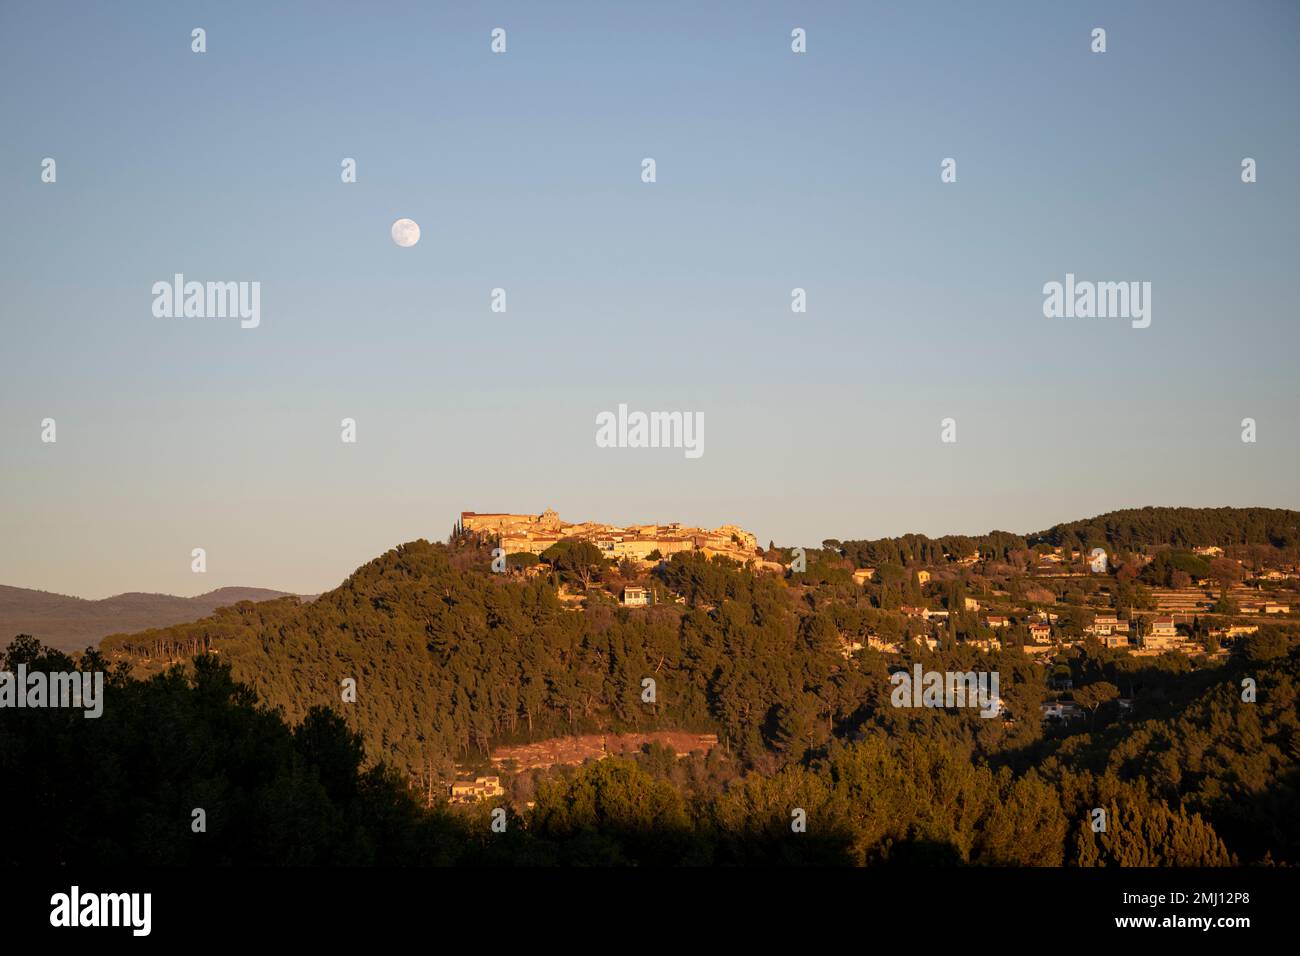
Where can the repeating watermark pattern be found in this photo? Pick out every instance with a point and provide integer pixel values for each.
(1098, 40)
(49, 170)
(798, 40)
(349, 173)
(947, 689)
(22, 689)
(1098, 300)
(74, 908)
(497, 303)
(49, 431)
(1097, 562)
(1247, 170)
(798, 300)
(199, 561)
(948, 431)
(199, 820)
(198, 40)
(208, 300)
(1248, 690)
(1248, 431)
(498, 37)
(648, 170)
(624, 429)
(948, 170)
(649, 689)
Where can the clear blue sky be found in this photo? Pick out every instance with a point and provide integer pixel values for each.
(775, 170)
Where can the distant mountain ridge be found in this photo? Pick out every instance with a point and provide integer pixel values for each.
(73, 624)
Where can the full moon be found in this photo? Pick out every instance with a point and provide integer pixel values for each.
(406, 232)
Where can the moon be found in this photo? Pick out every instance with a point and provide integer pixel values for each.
(406, 232)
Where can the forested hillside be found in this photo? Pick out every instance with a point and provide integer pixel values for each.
(451, 660)
(1134, 528)
(1206, 780)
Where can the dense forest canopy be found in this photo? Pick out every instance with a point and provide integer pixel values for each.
(1134, 528)
(1131, 529)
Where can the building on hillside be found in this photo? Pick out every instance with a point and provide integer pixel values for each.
(1102, 625)
(468, 791)
(1039, 633)
(863, 575)
(635, 596)
(1062, 710)
(1208, 551)
(970, 604)
(1163, 635)
(998, 620)
(923, 577)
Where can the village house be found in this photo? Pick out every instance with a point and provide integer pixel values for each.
(1039, 633)
(998, 620)
(1163, 635)
(1234, 631)
(971, 604)
(468, 791)
(1102, 625)
(1062, 710)
(635, 596)
(863, 575)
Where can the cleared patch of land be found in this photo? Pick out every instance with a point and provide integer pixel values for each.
(576, 750)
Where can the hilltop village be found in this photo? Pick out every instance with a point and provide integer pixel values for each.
(645, 543)
(1040, 600)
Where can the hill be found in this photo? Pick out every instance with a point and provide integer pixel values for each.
(1133, 528)
(73, 624)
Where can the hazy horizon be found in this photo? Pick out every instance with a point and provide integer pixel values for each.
(775, 171)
